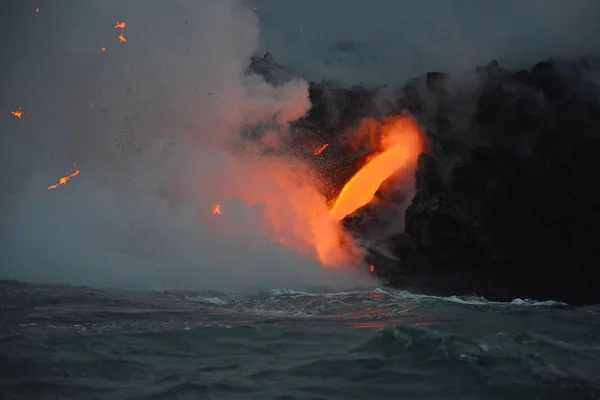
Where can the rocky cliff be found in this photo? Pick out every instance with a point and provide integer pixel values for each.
(505, 198)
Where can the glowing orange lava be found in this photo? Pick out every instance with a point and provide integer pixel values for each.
(17, 113)
(217, 210)
(292, 211)
(400, 143)
(121, 26)
(287, 196)
(321, 149)
(359, 190)
(63, 180)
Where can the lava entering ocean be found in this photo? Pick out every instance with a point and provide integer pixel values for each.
(397, 141)
(294, 210)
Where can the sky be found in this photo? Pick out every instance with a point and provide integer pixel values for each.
(153, 123)
(386, 42)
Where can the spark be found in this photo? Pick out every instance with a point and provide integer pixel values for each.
(121, 26)
(321, 149)
(217, 210)
(37, 9)
(63, 180)
(18, 113)
(372, 268)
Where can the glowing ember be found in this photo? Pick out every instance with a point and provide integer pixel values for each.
(321, 149)
(217, 210)
(63, 180)
(103, 48)
(18, 113)
(121, 26)
(401, 143)
(37, 9)
(371, 268)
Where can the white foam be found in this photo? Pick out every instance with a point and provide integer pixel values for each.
(405, 295)
(211, 300)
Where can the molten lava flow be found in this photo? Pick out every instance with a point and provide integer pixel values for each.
(286, 195)
(217, 210)
(400, 142)
(63, 180)
(359, 190)
(321, 149)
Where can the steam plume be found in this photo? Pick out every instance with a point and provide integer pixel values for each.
(153, 125)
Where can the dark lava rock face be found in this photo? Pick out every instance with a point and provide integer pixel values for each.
(515, 212)
(506, 195)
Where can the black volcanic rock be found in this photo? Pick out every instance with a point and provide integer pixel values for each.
(518, 206)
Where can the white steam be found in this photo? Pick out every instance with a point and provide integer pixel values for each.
(386, 42)
(150, 124)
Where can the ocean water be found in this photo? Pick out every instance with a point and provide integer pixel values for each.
(67, 342)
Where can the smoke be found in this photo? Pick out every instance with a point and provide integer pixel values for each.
(154, 126)
(386, 42)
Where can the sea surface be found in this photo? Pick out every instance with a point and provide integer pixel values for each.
(67, 342)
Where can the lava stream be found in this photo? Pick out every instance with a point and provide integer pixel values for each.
(361, 188)
(401, 141)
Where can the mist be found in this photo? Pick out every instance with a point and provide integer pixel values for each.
(153, 125)
(383, 42)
